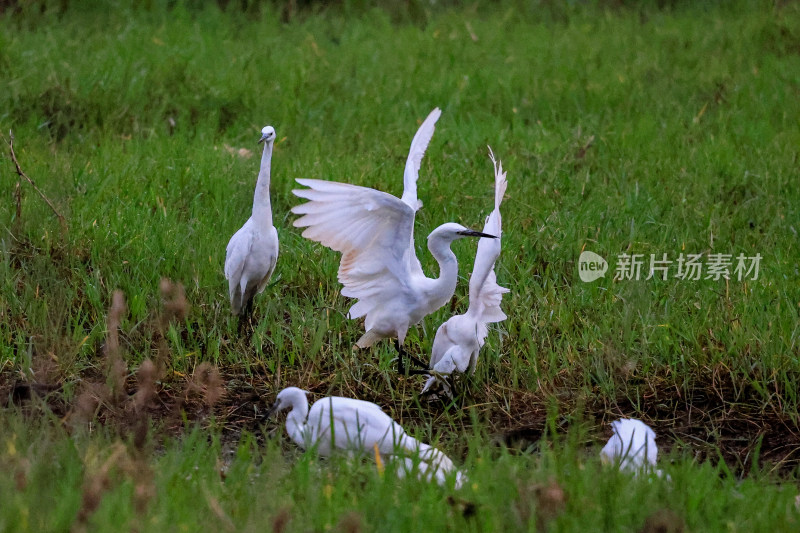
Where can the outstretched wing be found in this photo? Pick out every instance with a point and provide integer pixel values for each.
(418, 146)
(372, 229)
(484, 292)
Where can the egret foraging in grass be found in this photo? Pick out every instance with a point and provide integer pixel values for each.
(253, 250)
(458, 341)
(632, 446)
(354, 426)
(375, 233)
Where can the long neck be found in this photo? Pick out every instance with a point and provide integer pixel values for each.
(262, 209)
(445, 285)
(296, 422)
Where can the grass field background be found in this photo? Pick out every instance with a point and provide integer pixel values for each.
(625, 128)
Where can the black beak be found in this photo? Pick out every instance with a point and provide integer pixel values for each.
(473, 233)
(262, 139)
(273, 410)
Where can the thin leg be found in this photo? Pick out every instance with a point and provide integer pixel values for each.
(401, 362)
(245, 322)
(417, 361)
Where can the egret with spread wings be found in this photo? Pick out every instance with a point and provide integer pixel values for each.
(458, 341)
(253, 250)
(374, 231)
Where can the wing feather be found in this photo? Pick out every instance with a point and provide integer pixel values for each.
(374, 232)
(484, 292)
(415, 154)
(235, 258)
(357, 424)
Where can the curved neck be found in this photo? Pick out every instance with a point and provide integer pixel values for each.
(262, 209)
(445, 285)
(296, 421)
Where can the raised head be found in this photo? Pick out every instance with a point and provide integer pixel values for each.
(290, 397)
(267, 134)
(452, 231)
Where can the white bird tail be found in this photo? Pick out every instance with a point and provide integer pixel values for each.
(368, 339)
(427, 453)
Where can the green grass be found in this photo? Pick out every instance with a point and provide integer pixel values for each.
(690, 113)
(200, 484)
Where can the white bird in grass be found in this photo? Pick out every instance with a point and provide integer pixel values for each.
(426, 472)
(356, 426)
(632, 446)
(458, 341)
(375, 233)
(253, 250)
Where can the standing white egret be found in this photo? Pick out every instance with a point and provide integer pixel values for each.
(458, 341)
(632, 446)
(354, 426)
(253, 250)
(375, 233)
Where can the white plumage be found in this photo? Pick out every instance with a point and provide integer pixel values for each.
(459, 340)
(253, 250)
(356, 426)
(374, 231)
(632, 446)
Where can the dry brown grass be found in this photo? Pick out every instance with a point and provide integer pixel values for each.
(716, 418)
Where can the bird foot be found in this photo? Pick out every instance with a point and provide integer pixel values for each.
(437, 387)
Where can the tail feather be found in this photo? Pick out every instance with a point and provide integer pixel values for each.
(368, 339)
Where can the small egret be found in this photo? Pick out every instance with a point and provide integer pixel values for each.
(632, 446)
(375, 233)
(355, 426)
(458, 341)
(253, 250)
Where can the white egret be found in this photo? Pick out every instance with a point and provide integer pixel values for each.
(458, 341)
(355, 426)
(253, 250)
(375, 233)
(632, 446)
